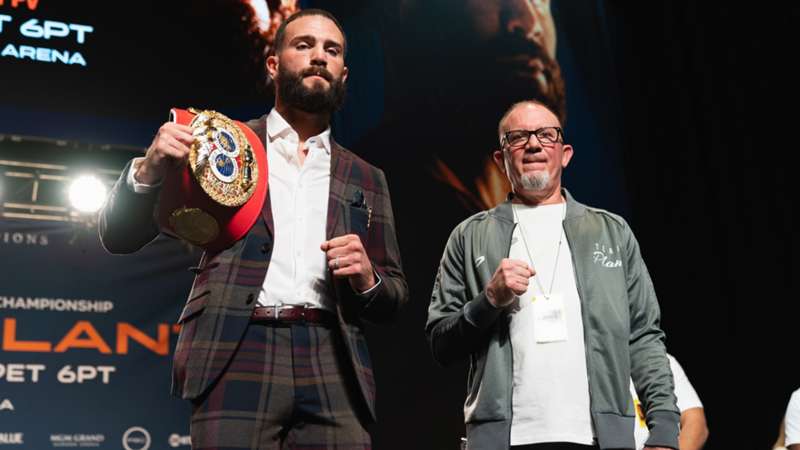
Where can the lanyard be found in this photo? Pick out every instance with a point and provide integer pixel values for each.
(530, 256)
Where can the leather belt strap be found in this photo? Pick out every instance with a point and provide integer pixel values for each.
(292, 314)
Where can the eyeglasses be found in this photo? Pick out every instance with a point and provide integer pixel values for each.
(546, 136)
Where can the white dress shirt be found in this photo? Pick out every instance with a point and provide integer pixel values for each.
(299, 196)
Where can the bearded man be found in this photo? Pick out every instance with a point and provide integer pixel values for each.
(272, 352)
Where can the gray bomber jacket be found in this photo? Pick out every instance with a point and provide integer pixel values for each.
(620, 320)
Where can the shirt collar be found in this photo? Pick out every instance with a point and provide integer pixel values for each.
(279, 128)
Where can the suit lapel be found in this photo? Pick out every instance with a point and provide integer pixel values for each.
(341, 161)
(259, 127)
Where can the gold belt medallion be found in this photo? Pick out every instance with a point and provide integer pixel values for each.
(222, 159)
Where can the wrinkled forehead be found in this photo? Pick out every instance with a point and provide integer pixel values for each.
(530, 116)
(318, 27)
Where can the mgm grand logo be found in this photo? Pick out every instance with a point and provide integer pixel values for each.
(23, 238)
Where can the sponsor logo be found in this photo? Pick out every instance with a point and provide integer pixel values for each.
(77, 440)
(6, 405)
(136, 438)
(11, 439)
(479, 260)
(176, 440)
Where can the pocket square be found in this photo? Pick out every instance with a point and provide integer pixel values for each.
(358, 200)
(361, 214)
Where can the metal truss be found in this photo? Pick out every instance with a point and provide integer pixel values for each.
(35, 174)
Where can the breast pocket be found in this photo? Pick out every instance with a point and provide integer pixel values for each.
(359, 221)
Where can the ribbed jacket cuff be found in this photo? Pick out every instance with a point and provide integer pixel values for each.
(664, 427)
(480, 312)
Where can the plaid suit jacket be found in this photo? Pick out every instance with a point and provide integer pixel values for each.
(228, 283)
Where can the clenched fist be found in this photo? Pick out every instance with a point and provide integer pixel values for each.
(170, 148)
(348, 259)
(509, 280)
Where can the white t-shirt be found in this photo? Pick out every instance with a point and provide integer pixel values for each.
(792, 420)
(684, 392)
(550, 398)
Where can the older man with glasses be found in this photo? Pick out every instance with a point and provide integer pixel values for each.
(550, 302)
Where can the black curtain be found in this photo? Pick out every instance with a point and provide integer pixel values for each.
(708, 93)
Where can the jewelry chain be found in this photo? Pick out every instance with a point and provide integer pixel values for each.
(530, 256)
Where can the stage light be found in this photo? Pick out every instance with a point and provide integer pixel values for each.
(87, 193)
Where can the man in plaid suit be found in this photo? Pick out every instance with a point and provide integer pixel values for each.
(272, 352)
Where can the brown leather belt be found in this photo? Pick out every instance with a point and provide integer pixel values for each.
(292, 314)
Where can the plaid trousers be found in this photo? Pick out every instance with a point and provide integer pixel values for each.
(286, 388)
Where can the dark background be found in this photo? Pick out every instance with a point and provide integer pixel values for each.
(691, 106)
(709, 93)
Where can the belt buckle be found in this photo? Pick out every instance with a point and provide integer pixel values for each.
(276, 311)
(303, 309)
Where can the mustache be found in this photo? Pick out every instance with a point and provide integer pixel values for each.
(317, 71)
(516, 44)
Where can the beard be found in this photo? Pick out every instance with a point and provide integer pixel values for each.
(516, 70)
(535, 181)
(316, 99)
(549, 87)
(532, 181)
(539, 78)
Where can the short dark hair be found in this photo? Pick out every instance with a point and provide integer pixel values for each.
(280, 35)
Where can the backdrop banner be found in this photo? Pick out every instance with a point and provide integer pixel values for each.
(87, 340)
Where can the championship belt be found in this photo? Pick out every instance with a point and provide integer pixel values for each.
(214, 199)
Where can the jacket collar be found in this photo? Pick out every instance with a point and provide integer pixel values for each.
(278, 127)
(341, 161)
(504, 212)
